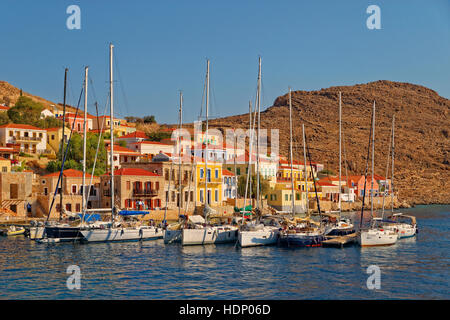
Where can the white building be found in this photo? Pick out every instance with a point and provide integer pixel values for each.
(27, 138)
(229, 185)
(151, 147)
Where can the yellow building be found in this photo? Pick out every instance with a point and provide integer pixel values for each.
(214, 173)
(54, 138)
(5, 165)
(280, 195)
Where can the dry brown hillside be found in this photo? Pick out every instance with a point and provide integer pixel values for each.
(422, 150)
(9, 95)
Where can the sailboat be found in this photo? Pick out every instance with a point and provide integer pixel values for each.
(404, 225)
(173, 232)
(66, 231)
(302, 232)
(342, 226)
(376, 235)
(260, 231)
(118, 230)
(206, 233)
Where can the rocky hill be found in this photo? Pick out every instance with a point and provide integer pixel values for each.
(422, 142)
(9, 95)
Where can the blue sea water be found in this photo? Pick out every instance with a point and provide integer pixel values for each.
(414, 268)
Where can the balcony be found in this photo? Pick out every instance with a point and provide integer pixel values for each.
(142, 193)
(28, 139)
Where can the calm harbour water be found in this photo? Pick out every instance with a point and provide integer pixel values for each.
(415, 268)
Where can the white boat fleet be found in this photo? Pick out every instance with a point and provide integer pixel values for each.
(288, 230)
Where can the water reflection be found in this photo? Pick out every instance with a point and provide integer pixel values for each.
(412, 268)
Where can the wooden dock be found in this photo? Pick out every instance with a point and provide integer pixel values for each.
(339, 241)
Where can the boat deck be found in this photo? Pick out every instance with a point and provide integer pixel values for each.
(339, 241)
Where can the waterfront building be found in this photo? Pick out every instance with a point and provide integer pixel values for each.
(229, 185)
(122, 155)
(16, 192)
(135, 189)
(280, 197)
(24, 137)
(213, 174)
(71, 189)
(151, 147)
(167, 166)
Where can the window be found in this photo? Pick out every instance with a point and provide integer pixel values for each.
(238, 171)
(128, 185)
(11, 134)
(74, 188)
(217, 173)
(216, 195)
(286, 197)
(201, 172)
(201, 196)
(173, 196)
(45, 191)
(297, 196)
(157, 185)
(4, 169)
(192, 196)
(77, 206)
(209, 175)
(40, 135)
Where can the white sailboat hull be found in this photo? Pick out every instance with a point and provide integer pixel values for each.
(376, 237)
(209, 235)
(403, 230)
(122, 234)
(264, 237)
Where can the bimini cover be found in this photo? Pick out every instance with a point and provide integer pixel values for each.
(196, 219)
(132, 212)
(90, 217)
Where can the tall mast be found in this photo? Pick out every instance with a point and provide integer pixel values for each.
(83, 199)
(290, 149)
(259, 137)
(305, 168)
(250, 142)
(340, 151)
(179, 155)
(206, 135)
(62, 144)
(373, 160)
(235, 169)
(111, 126)
(393, 149)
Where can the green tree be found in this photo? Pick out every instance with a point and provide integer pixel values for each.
(264, 186)
(159, 135)
(25, 111)
(74, 158)
(4, 119)
(149, 119)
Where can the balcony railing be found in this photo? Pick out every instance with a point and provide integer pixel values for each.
(28, 139)
(144, 193)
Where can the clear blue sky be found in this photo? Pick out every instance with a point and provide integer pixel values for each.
(162, 46)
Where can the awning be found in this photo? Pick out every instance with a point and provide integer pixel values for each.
(90, 217)
(132, 212)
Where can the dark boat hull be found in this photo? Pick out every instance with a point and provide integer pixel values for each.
(301, 240)
(341, 232)
(64, 233)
